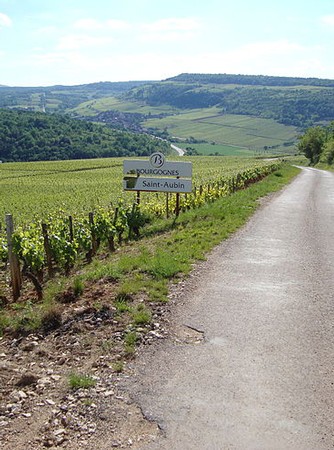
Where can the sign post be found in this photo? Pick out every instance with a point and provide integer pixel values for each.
(158, 175)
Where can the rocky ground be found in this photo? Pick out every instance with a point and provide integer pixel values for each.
(38, 406)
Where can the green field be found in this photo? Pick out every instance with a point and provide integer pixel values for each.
(218, 149)
(206, 124)
(236, 130)
(93, 107)
(34, 190)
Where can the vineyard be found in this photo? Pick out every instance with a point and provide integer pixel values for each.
(65, 211)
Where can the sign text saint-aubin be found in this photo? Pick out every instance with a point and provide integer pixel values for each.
(157, 175)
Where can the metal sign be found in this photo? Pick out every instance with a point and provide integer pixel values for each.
(141, 175)
(157, 184)
(155, 168)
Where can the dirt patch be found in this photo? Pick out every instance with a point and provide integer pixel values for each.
(39, 408)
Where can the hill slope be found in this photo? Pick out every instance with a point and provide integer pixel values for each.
(29, 136)
(301, 102)
(284, 107)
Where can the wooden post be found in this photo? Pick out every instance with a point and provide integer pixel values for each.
(138, 198)
(70, 226)
(47, 248)
(14, 264)
(167, 205)
(115, 216)
(94, 241)
(177, 208)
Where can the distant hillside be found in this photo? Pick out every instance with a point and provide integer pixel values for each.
(250, 80)
(60, 98)
(166, 108)
(29, 136)
(301, 102)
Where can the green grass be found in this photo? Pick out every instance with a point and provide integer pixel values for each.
(141, 315)
(79, 381)
(130, 340)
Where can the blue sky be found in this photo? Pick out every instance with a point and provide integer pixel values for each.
(47, 42)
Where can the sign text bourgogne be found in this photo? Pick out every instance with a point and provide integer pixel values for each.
(157, 175)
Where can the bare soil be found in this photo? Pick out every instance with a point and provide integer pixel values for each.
(38, 407)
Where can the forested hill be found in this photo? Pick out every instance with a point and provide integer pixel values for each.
(250, 80)
(301, 102)
(29, 136)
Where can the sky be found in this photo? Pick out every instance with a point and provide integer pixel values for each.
(69, 42)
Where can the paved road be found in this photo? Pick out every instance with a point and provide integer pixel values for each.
(263, 377)
(179, 150)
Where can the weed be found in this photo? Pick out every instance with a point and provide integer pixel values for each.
(164, 265)
(78, 381)
(122, 306)
(106, 346)
(78, 286)
(118, 366)
(141, 315)
(130, 340)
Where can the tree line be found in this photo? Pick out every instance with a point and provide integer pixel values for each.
(317, 144)
(29, 136)
(254, 80)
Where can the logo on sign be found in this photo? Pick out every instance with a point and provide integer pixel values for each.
(157, 159)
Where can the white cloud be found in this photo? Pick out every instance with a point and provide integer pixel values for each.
(88, 24)
(49, 58)
(328, 20)
(46, 31)
(170, 30)
(258, 49)
(173, 24)
(94, 25)
(117, 25)
(5, 21)
(91, 33)
(277, 58)
(81, 42)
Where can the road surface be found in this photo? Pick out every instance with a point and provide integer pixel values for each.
(262, 377)
(179, 150)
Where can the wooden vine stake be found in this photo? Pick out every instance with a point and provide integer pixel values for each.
(177, 208)
(70, 228)
(48, 249)
(167, 205)
(16, 280)
(94, 240)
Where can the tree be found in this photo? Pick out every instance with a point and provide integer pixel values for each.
(328, 152)
(311, 144)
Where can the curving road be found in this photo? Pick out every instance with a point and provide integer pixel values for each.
(179, 150)
(263, 376)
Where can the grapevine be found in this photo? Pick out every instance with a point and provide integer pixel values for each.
(69, 238)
